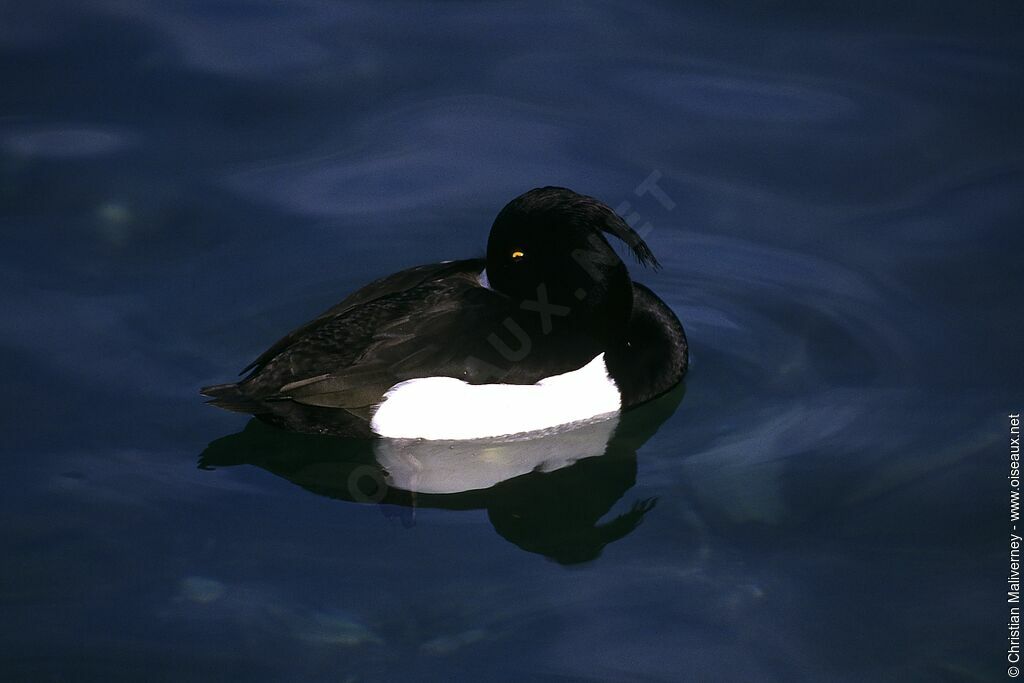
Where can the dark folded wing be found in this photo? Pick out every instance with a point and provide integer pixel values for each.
(350, 358)
(392, 284)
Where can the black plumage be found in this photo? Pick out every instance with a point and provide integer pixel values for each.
(558, 296)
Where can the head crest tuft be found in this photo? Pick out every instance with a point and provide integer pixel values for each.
(588, 211)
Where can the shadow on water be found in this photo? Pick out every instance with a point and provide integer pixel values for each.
(547, 494)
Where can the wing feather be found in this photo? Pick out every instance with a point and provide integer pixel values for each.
(385, 286)
(350, 358)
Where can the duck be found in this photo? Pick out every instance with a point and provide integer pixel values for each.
(547, 331)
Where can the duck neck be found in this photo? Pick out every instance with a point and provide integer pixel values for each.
(653, 355)
(605, 312)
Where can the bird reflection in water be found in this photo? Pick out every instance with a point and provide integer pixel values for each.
(547, 493)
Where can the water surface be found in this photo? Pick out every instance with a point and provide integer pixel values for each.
(182, 182)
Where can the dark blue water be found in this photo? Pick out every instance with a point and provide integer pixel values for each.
(842, 191)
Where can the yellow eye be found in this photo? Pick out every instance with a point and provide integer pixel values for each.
(516, 255)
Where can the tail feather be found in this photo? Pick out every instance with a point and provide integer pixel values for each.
(232, 397)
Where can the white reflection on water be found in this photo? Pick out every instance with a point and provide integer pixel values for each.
(458, 466)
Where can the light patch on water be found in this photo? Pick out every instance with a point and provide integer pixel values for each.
(408, 167)
(115, 222)
(447, 644)
(256, 608)
(730, 96)
(336, 628)
(200, 589)
(66, 142)
(224, 44)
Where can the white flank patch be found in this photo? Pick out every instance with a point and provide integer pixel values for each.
(448, 408)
